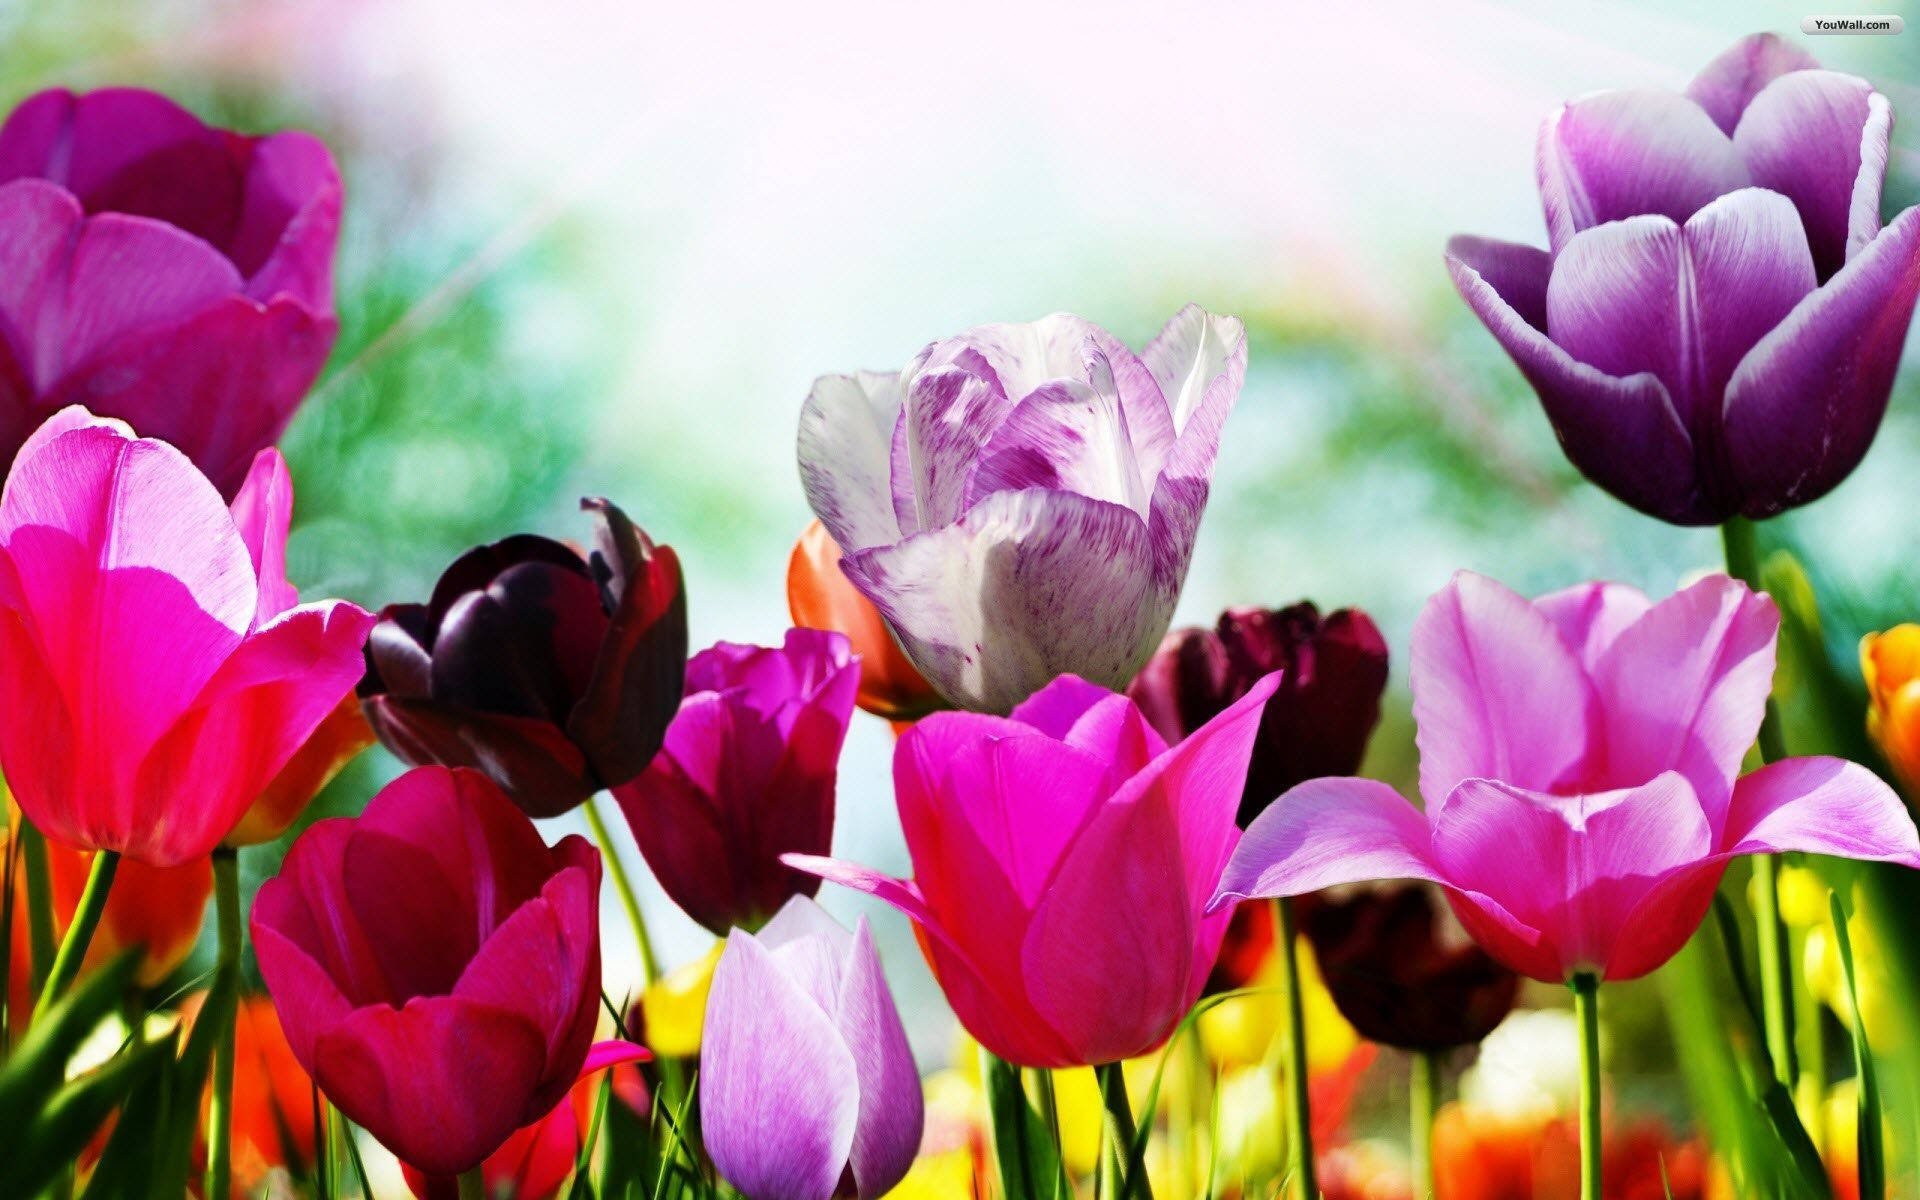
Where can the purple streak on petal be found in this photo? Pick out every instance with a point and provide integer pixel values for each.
(846, 451)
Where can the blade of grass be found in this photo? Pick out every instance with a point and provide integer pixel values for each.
(1872, 1150)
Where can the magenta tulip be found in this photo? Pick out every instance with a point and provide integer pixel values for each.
(160, 270)
(436, 965)
(156, 668)
(1062, 858)
(745, 775)
(1580, 763)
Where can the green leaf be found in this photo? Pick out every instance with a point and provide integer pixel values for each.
(38, 1066)
(1029, 1162)
(1872, 1151)
(57, 1134)
(126, 1166)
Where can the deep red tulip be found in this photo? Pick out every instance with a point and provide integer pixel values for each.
(436, 965)
(1333, 670)
(554, 673)
(160, 270)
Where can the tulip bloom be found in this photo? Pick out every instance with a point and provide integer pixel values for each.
(335, 742)
(1020, 501)
(158, 909)
(806, 1078)
(554, 673)
(745, 775)
(1332, 672)
(1715, 325)
(1579, 760)
(1061, 861)
(820, 597)
(1890, 662)
(273, 1103)
(162, 271)
(156, 667)
(436, 966)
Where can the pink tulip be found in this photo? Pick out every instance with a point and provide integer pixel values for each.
(1580, 763)
(156, 668)
(1062, 860)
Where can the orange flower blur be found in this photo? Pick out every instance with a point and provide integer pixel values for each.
(821, 598)
(1891, 663)
(272, 1099)
(338, 739)
(1484, 1156)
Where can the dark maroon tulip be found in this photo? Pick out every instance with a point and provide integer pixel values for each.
(1397, 977)
(435, 965)
(746, 775)
(553, 673)
(1333, 671)
(159, 270)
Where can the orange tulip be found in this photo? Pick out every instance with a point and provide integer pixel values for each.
(338, 739)
(1486, 1156)
(157, 908)
(272, 1099)
(1891, 663)
(821, 598)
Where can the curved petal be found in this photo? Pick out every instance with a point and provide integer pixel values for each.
(887, 1137)
(1820, 139)
(1820, 806)
(1804, 404)
(289, 220)
(1326, 832)
(846, 450)
(1683, 303)
(1725, 86)
(1664, 918)
(1590, 616)
(263, 512)
(1027, 586)
(1186, 475)
(1064, 436)
(1684, 689)
(1496, 693)
(305, 908)
(779, 1089)
(1622, 154)
(1623, 434)
(1188, 357)
(544, 772)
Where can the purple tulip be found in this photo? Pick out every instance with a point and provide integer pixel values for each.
(807, 1086)
(1020, 502)
(159, 270)
(745, 775)
(1716, 323)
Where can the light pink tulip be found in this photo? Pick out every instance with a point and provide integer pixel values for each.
(1580, 762)
(156, 667)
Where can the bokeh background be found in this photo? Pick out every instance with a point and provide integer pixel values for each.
(604, 247)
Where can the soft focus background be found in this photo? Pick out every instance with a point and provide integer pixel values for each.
(605, 247)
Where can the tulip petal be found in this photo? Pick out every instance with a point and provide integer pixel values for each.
(640, 671)
(1725, 86)
(887, 1136)
(1624, 434)
(1590, 616)
(1820, 806)
(1088, 717)
(1804, 404)
(1025, 587)
(1820, 139)
(779, 1089)
(611, 1053)
(1623, 154)
(318, 945)
(1326, 832)
(263, 513)
(846, 456)
(1188, 357)
(1667, 915)
(1496, 693)
(289, 220)
(534, 761)
(1064, 436)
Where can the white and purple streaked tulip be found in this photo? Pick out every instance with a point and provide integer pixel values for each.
(807, 1085)
(1714, 327)
(1020, 501)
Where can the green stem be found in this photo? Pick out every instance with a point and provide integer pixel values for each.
(1586, 1009)
(1050, 1113)
(86, 918)
(473, 1184)
(1424, 1102)
(649, 965)
(33, 857)
(1776, 967)
(1300, 1103)
(226, 908)
(1131, 1177)
(1810, 1093)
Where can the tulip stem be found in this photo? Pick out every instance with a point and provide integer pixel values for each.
(86, 918)
(1424, 1101)
(649, 965)
(1300, 1102)
(33, 858)
(1130, 1175)
(1776, 965)
(226, 910)
(473, 1184)
(1586, 1010)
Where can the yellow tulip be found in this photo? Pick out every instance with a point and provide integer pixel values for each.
(676, 1006)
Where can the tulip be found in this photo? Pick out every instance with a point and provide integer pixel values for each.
(1318, 722)
(1579, 761)
(1395, 976)
(745, 775)
(1020, 501)
(1480, 1155)
(186, 671)
(436, 966)
(807, 1085)
(820, 596)
(1890, 662)
(158, 909)
(1715, 325)
(554, 673)
(1062, 857)
(273, 1104)
(162, 271)
(335, 742)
